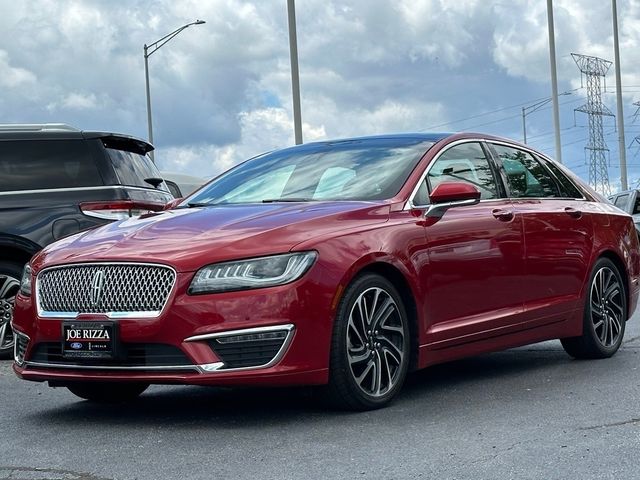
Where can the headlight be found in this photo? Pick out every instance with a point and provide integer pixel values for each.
(252, 273)
(25, 282)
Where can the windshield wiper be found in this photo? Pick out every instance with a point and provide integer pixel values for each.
(286, 199)
(202, 204)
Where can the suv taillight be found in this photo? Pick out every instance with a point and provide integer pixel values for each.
(119, 209)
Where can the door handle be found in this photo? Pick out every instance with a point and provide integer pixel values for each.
(572, 212)
(502, 215)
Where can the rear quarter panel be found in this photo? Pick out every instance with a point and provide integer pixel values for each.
(615, 233)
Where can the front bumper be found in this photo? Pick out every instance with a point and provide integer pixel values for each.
(191, 342)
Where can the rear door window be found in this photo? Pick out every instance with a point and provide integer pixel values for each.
(526, 176)
(46, 164)
(567, 188)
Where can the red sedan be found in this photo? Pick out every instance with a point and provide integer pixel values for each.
(342, 263)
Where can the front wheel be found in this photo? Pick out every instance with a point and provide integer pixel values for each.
(107, 392)
(10, 274)
(605, 314)
(370, 349)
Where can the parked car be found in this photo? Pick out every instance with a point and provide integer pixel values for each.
(345, 263)
(180, 184)
(56, 180)
(628, 201)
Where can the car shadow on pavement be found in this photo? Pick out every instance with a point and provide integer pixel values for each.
(451, 383)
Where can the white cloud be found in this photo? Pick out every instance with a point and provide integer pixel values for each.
(12, 77)
(75, 101)
(221, 92)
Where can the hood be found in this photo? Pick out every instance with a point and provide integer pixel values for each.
(188, 238)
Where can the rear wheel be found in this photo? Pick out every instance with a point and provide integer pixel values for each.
(107, 392)
(605, 314)
(370, 347)
(10, 274)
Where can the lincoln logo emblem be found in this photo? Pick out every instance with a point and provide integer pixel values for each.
(96, 287)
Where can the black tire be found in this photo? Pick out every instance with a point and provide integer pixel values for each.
(107, 392)
(605, 316)
(384, 353)
(10, 275)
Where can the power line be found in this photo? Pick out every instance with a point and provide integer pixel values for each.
(490, 112)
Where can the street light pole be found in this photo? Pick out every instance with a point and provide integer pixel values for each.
(146, 75)
(621, 141)
(295, 76)
(148, 51)
(554, 79)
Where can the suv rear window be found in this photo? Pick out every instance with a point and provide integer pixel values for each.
(41, 164)
(132, 168)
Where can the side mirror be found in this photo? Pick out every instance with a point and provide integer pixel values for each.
(173, 203)
(451, 194)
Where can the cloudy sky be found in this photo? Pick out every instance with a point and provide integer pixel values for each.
(221, 91)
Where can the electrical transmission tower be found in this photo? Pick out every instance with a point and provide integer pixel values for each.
(595, 69)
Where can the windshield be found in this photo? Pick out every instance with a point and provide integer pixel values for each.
(365, 169)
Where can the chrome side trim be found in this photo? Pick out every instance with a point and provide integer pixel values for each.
(244, 331)
(219, 366)
(438, 210)
(114, 315)
(113, 368)
(81, 189)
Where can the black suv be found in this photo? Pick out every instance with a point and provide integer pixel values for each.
(56, 180)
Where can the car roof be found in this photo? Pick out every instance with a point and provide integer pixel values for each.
(427, 137)
(60, 131)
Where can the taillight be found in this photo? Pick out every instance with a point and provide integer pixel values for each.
(119, 209)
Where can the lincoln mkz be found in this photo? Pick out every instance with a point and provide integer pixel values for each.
(343, 264)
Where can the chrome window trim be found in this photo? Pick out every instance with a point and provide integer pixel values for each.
(409, 204)
(537, 154)
(219, 366)
(115, 315)
(82, 189)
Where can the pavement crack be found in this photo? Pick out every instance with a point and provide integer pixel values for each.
(34, 473)
(632, 421)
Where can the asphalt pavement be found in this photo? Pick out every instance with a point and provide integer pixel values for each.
(527, 413)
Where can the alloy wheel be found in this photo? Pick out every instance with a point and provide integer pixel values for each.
(375, 342)
(9, 287)
(607, 312)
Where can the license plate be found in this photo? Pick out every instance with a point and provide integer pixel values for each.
(88, 340)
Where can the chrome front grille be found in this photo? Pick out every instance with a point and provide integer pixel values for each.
(124, 289)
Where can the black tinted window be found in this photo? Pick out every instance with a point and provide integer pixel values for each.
(39, 164)
(567, 188)
(132, 168)
(526, 176)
